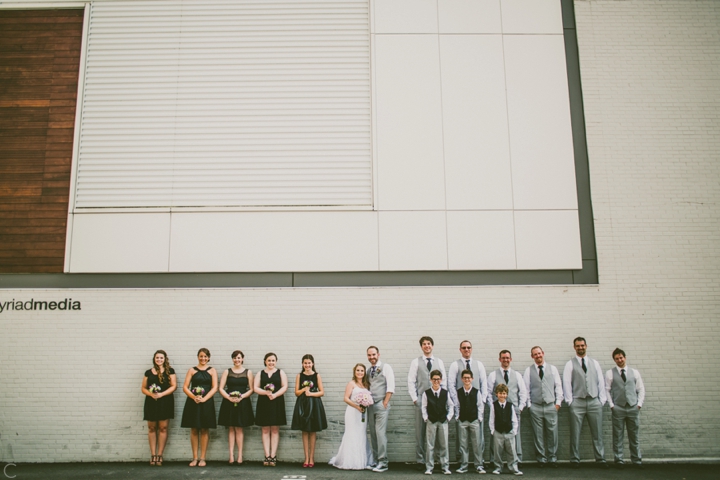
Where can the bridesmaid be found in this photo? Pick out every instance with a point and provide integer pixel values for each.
(200, 385)
(158, 387)
(236, 408)
(309, 413)
(270, 386)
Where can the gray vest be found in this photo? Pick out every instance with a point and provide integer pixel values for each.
(624, 393)
(378, 384)
(513, 389)
(584, 384)
(473, 368)
(542, 391)
(423, 376)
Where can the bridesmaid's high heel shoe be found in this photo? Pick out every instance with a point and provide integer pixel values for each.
(273, 461)
(266, 462)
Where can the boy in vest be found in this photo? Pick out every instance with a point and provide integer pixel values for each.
(626, 394)
(469, 408)
(437, 410)
(503, 428)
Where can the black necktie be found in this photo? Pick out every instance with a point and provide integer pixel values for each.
(542, 374)
(429, 364)
(622, 374)
(506, 378)
(583, 365)
(467, 364)
(437, 394)
(467, 394)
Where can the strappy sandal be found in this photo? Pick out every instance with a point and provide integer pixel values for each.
(153, 459)
(193, 463)
(273, 461)
(201, 462)
(159, 461)
(266, 462)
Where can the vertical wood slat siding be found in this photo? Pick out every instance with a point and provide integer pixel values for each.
(39, 63)
(226, 103)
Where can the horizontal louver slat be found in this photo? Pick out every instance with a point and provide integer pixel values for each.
(226, 103)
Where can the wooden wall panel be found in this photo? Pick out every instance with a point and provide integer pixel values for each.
(39, 65)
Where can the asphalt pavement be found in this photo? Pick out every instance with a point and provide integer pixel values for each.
(288, 471)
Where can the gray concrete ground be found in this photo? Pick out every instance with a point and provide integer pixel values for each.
(255, 471)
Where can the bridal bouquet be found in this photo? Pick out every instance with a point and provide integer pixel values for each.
(364, 399)
(154, 389)
(235, 394)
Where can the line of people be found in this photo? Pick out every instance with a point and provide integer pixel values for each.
(541, 390)
(462, 395)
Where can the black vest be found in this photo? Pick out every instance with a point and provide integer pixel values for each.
(503, 417)
(437, 407)
(468, 404)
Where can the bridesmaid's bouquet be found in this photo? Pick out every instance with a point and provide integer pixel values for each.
(154, 388)
(270, 387)
(235, 394)
(307, 383)
(364, 399)
(198, 391)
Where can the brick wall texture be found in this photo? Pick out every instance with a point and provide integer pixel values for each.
(651, 81)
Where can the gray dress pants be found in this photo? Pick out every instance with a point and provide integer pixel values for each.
(579, 409)
(544, 419)
(626, 416)
(377, 423)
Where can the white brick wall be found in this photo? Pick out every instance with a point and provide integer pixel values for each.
(70, 380)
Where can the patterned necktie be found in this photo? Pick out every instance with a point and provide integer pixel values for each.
(583, 365)
(429, 364)
(622, 374)
(467, 364)
(542, 373)
(372, 372)
(506, 378)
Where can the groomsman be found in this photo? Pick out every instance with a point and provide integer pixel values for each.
(544, 399)
(584, 392)
(382, 387)
(454, 381)
(626, 394)
(517, 392)
(419, 382)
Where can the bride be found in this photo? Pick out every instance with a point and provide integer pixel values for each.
(355, 452)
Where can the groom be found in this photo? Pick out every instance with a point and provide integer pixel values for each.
(382, 387)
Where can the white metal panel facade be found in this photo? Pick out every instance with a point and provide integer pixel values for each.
(226, 103)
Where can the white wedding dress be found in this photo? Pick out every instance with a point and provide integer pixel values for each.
(355, 452)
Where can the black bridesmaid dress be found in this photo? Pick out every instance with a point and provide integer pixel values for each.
(162, 408)
(309, 413)
(236, 414)
(199, 415)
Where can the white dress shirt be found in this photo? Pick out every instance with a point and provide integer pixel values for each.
(639, 385)
(412, 375)
(514, 419)
(556, 377)
(449, 406)
(567, 380)
(453, 373)
(386, 371)
(522, 390)
(480, 405)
